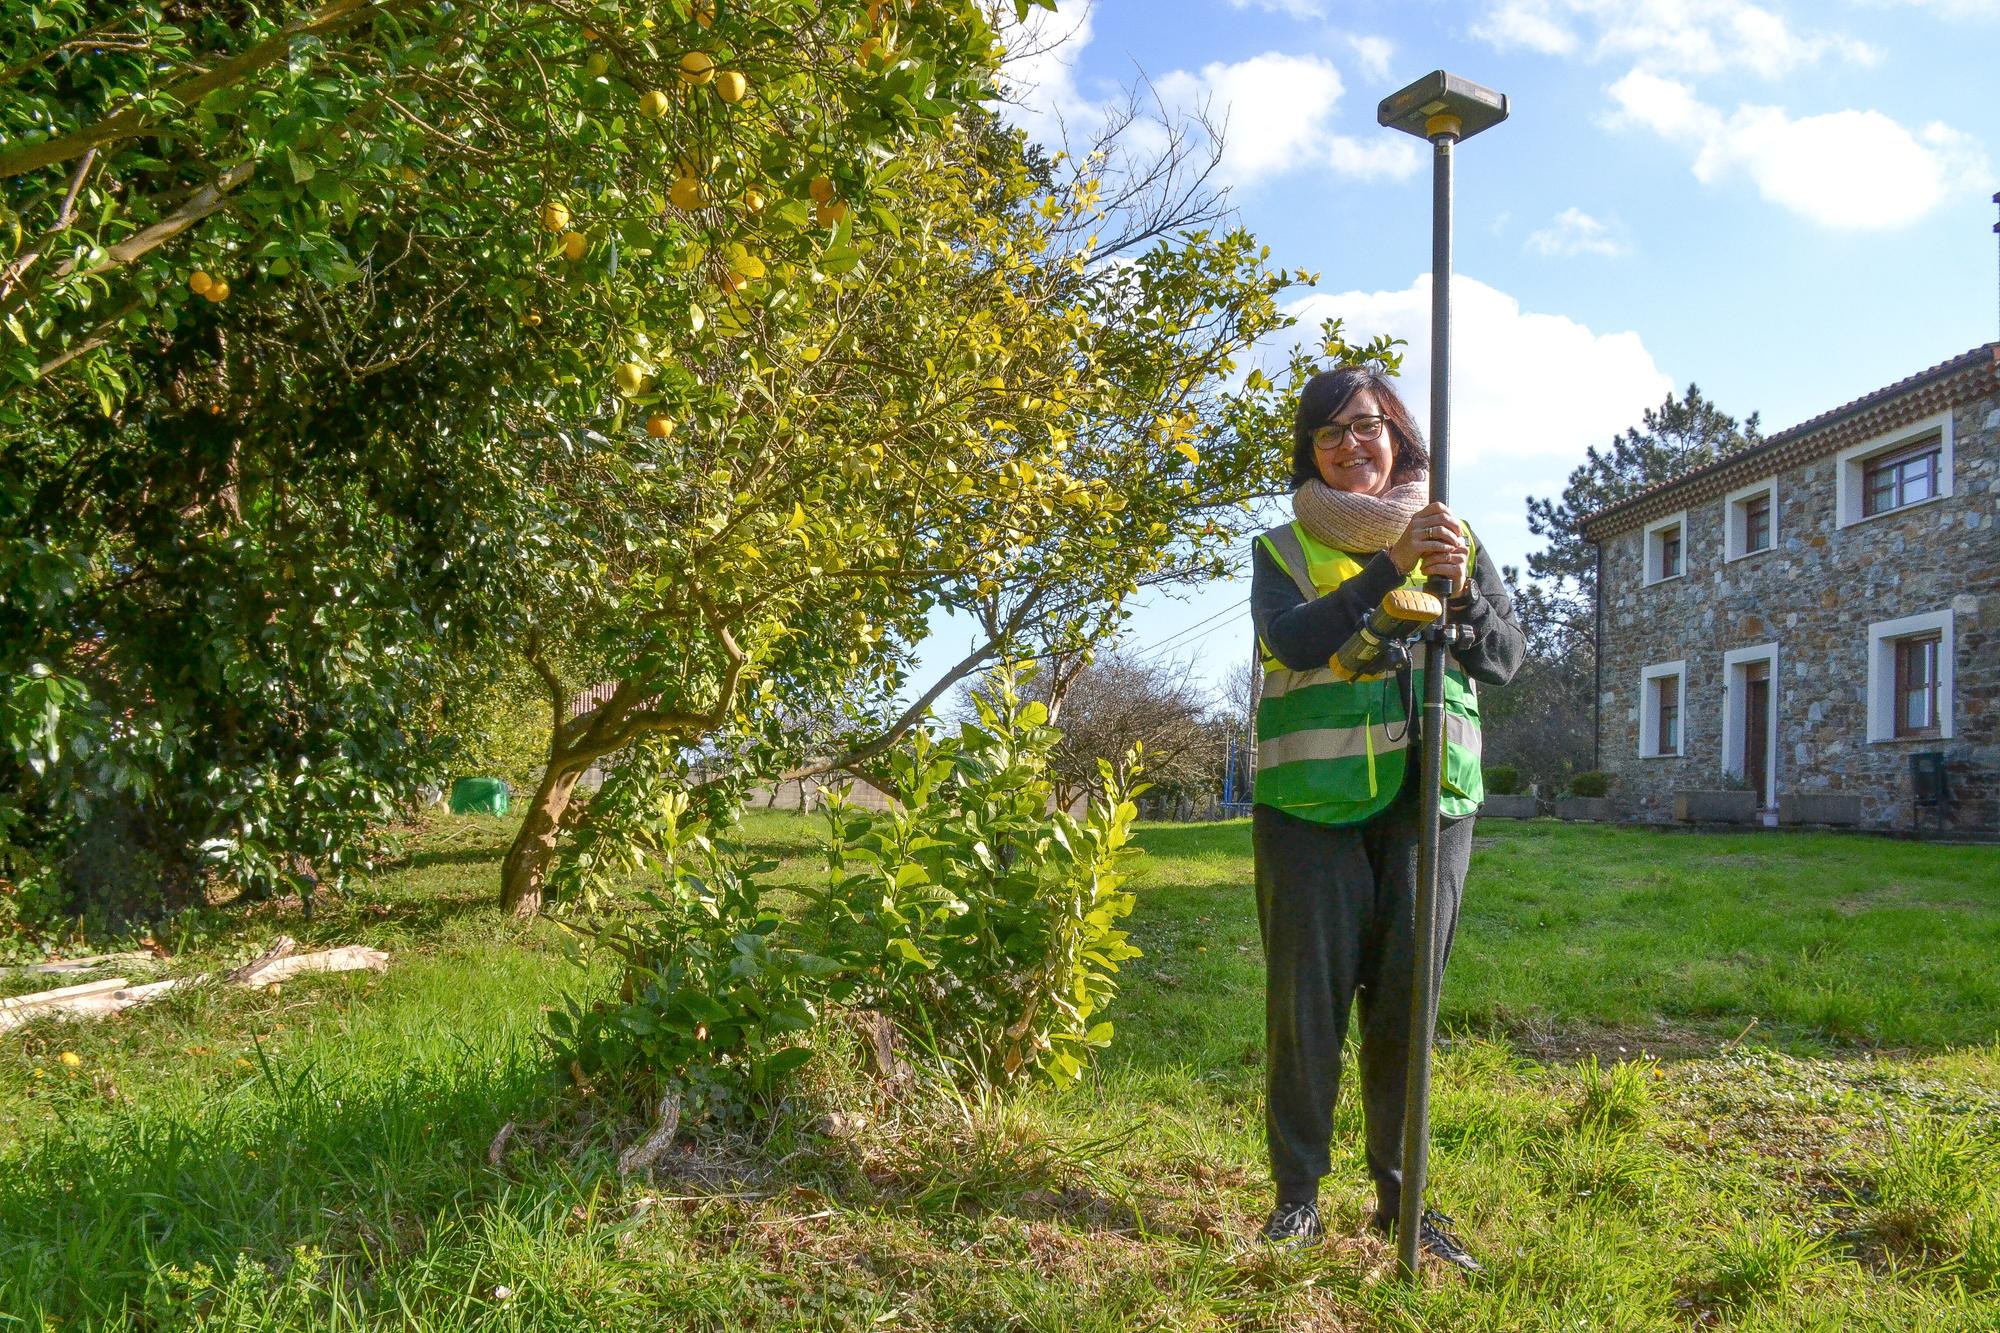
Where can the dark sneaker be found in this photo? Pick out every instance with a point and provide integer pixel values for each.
(1294, 1224)
(1437, 1238)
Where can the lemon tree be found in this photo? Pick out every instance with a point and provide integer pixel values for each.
(306, 311)
(973, 404)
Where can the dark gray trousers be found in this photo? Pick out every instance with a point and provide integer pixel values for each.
(1337, 909)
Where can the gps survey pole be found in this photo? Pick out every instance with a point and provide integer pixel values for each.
(1446, 110)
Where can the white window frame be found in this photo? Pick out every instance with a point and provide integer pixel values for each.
(1649, 549)
(1649, 709)
(1882, 636)
(1735, 714)
(1735, 529)
(1850, 465)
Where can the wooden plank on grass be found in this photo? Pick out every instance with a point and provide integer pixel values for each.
(62, 994)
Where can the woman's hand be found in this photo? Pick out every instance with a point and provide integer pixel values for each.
(1437, 539)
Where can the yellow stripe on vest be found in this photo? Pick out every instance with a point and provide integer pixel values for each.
(1357, 742)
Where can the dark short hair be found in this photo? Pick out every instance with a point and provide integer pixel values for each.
(1327, 392)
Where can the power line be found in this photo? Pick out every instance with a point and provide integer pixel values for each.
(1192, 632)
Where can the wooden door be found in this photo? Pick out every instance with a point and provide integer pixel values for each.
(1757, 730)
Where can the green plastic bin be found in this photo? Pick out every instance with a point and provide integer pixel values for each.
(479, 796)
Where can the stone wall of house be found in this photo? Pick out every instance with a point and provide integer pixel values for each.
(1814, 595)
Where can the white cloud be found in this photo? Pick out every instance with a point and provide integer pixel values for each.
(1530, 391)
(1276, 113)
(1847, 170)
(1671, 36)
(1039, 75)
(1575, 232)
(1372, 54)
(1533, 25)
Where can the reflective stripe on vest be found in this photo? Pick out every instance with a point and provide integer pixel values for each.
(1333, 751)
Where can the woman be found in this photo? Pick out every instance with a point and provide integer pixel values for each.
(1338, 806)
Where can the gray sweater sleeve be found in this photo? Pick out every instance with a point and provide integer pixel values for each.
(1304, 635)
(1498, 644)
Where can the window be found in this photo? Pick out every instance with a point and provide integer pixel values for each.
(1757, 523)
(1910, 678)
(1916, 698)
(1665, 549)
(1891, 472)
(1899, 479)
(1750, 519)
(1662, 710)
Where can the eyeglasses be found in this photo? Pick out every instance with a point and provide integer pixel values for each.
(1365, 429)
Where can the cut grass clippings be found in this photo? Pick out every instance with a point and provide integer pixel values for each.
(317, 1159)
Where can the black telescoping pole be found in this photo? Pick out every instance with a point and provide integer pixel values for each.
(1423, 994)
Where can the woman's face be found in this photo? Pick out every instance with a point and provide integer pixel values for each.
(1347, 461)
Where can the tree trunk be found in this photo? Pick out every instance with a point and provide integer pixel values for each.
(534, 848)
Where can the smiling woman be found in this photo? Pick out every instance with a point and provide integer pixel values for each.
(1335, 826)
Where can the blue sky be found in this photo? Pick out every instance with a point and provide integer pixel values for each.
(1787, 203)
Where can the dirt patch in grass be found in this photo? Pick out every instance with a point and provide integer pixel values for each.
(1903, 895)
(1568, 1043)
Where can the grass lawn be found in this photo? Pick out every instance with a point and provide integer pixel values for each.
(1745, 1080)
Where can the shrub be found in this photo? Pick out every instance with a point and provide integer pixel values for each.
(1595, 782)
(992, 914)
(981, 920)
(1503, 780)
(715, 984)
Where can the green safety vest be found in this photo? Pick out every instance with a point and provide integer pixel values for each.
(1333, 751)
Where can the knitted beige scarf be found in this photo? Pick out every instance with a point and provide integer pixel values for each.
(1354, 522)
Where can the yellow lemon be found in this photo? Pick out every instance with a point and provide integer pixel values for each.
(704, 12)
(831, 214)
(573, 245)
(199, 282)
(686, 193)
(653, 105)
(821, 189)
(217, 291)
(730, 85)
(555, 215)
(659, 427)
(697, 67)
(753, 200)
(70, 1059)
(631, 378)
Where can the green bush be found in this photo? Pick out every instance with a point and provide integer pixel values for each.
(1592, 783)
(1503, 780)
(979, 918)
(716, 983)
(991, 914)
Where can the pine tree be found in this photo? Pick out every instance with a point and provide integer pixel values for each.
(1543, 724)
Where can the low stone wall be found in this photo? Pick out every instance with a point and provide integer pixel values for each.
(1820, 808)
(1508, 807)
(1716, 807)
(1598, 808)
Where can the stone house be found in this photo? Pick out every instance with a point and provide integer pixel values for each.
(1805, 617)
